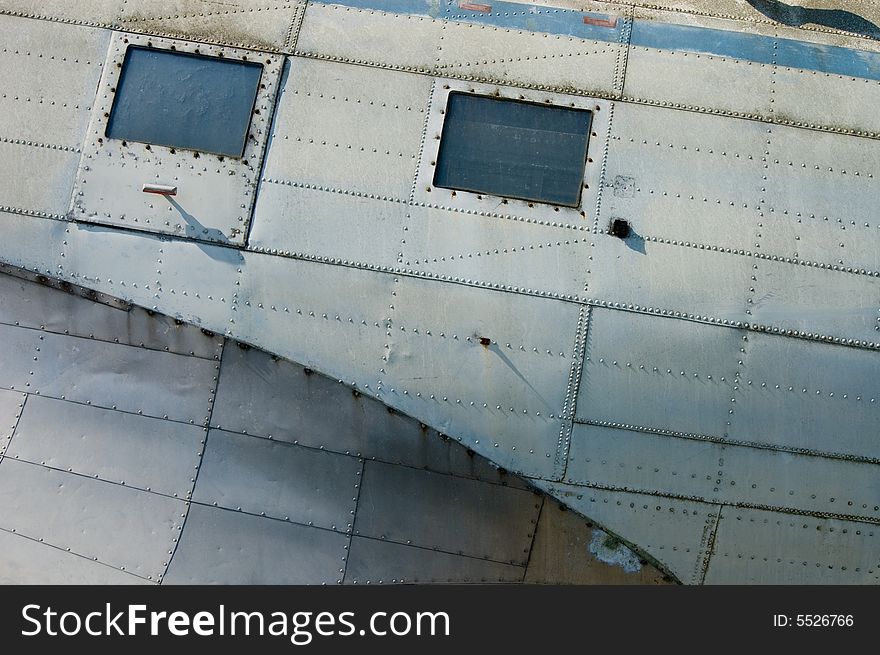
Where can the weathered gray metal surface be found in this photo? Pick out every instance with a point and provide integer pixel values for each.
(805, 550)
(215, 192)
(347, 128)
(648, 371)
(137, 451)
(110, 375)
(714, 265)
(221, 546)
(373, 561)
(278, 480)
(116, 525)
(28, 561)
(439, 512)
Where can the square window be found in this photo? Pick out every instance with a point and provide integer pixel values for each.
(512, 148)
(185, 100)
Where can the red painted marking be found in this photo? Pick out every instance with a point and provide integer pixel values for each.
(610, 21)
(475, 6)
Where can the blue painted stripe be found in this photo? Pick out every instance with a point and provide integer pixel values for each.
(743, 46)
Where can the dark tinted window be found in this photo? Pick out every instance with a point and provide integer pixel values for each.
(514, 149)
(184, 101)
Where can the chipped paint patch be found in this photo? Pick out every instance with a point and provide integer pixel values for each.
(610, 550)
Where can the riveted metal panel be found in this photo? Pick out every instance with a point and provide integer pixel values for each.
(348, 128)
(504, 398)
(713, 472)
(808, 395)
(672, 78)
(48, 73)
(36, 179)
(497, 250)
(220, 546)
(113, 524)
(685, 176)
(570, 550)
(676, 533)
(30, 242)
(278, 480)
(526, 58)
(109, 375)
(821, 198)
(658, 372)
(27, 561)
(446, 513)
(146, 453)
(215, 193)
(317, 223)
(270, 397)
(11, 403)
(372, 561)
(424, 193)
(759, 547)
(262, 25)
(802, 97)
(34, 305)
(330, 318)
(814, 301)
(661, 277)
(369, 37)
(88, 12)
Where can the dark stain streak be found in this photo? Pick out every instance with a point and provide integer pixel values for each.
(796, 16)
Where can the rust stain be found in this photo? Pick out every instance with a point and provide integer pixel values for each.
(608, 21)
(475, 6)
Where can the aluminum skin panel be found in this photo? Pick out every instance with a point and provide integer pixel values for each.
(36, 180)
(309, 222)
(109, 375)
(685, 176)
(759, 547)
(851, 97)
(379, 38)
(214, 192)
(137, 451)
(570, 550)
(265, 396)
(810, 300)
(676, 533)
(706, 284)
(820, 198)
(262, 25)
(31, 243)
(812, 396)
(122, 527)
(34, 305)
(48, 73)
(348, 128)
(330, 319)
(219, 546)
(497, 250)
(529, 58)
(711, 472)
(658, 372)
(27, 561)
(671, 78)
(87, 12)
(11, 403)
(278, 480)
(442, 512)
(504, 398)
(372, 561)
